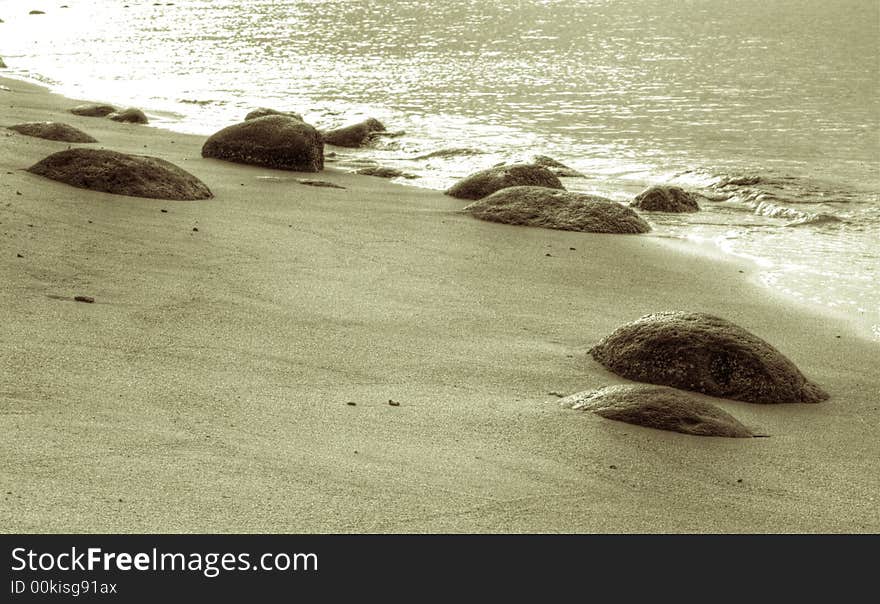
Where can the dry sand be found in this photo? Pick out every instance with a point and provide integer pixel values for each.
(205, 390)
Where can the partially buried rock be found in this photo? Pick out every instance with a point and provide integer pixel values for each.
(382, 172)
(319, 183)
(264, 111)
(481, 184)
(666, 199)
(557, 167)
(2, 64)
(36, 12)
(658, 407)
(53, 131)
(130, 115)
(93, 110)
(121, 174)
(355, 135)
(704, 353)
(554, 209)
(274, 141)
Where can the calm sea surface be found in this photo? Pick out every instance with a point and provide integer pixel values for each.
(769, 108)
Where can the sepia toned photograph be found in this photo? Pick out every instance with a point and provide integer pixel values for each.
(439, 266)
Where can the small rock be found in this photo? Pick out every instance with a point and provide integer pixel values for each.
(20, 256)
(658, 407)
(319, 183)
(355, 135)
(666, 199)
(352, 404)
(393, 403)
(130, 115)
(164, 211)
(195, 229)
(93, 110)
(86, 299)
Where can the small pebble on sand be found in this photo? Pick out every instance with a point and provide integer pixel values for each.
(86, 299)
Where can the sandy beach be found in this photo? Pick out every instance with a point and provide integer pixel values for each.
(207, 388)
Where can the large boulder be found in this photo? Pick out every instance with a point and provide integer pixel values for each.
(273, 141)
(130, 115)
(658, 407)
(93, 110)
(264, 111)
(555, 209)
(355, 135)
(121, 174)
(557, 167)
(486, 182)
(53, 131)
(704, 353)
(665, 199)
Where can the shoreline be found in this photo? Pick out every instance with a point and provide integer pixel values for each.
(206, 389)
(862, 324)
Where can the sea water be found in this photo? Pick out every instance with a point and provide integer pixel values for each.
(769, 109)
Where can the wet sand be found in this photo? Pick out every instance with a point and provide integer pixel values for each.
(206, 388)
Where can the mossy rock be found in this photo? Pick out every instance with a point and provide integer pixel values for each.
(658, 407)
(130, 116)
(53, 131)
(486, 182)
(554, 209)
(666, 199)
(93, 110)
(356, 135)
(273, 141)
(704, 353)
(121, 174)
(264, 111)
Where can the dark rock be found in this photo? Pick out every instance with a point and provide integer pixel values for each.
(658, 407)
(36, 12)
(554, 209)
(53, 131)
(451, 152)
(666, 199)
(93, 110)
(86, 299)
(477, 186)
(130, 115)
(121, 174)
(319, 183)
(264, 111)
(382, 172)
(704, 353)
(558, 168)
(355, 135)
(2, 64)
(274, 141)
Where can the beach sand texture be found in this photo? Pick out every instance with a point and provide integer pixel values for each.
(206, 388)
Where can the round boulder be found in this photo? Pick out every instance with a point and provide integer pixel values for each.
(658, 407)
(355, 135)
(704, 353)
(93, 110)
(665, 199)
(130, 115)
(121, 174)
(555, 209)
(264, 111)
(53, 131)
(274, 141)
(481, 184)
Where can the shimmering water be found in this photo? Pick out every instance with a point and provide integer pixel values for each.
(770, 108)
